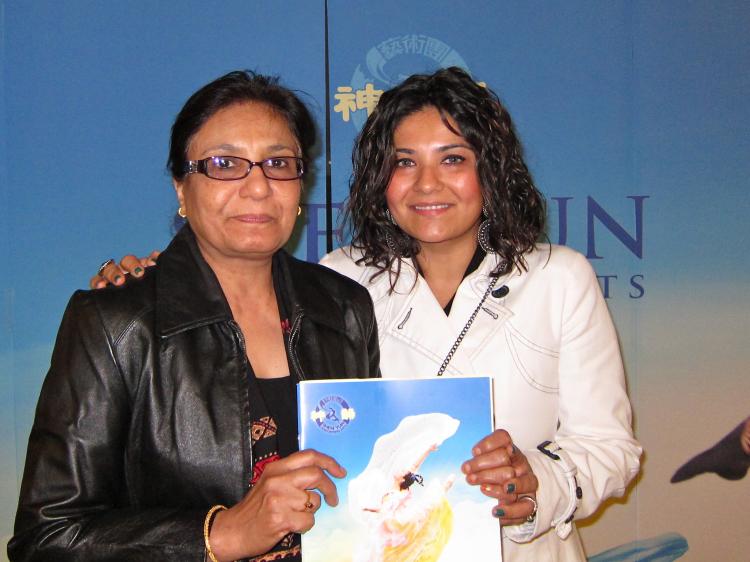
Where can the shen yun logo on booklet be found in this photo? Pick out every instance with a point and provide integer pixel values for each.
(402, 443)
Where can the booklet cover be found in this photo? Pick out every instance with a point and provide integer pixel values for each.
(402, 443)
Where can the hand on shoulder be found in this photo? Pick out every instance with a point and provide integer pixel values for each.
(112, 273)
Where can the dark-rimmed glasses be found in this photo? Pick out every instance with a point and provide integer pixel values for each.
(227, 168)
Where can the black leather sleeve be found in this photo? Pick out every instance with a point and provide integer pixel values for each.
(74, 503)
(373, 346)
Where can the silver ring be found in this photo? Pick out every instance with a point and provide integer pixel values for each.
(532, 516)
(104, 266)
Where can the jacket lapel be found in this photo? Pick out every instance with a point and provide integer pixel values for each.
(413, 316)
(187, 291)
(491, 316)
(305, 294)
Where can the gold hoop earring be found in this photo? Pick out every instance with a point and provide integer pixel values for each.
(299, 210)
(182, 212)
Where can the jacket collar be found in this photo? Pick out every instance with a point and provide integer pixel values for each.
(305, 292)
(379, 287)
(413, 316)
(188, 294)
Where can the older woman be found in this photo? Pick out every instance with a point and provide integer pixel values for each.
(445, 220)
(166, 426)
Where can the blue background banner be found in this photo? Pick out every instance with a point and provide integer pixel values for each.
(634, 118)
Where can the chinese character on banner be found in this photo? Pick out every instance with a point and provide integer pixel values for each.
(413, 43)
(435, 49)
(368, 98)
(390, 48)
(346, 101)
(383, 67)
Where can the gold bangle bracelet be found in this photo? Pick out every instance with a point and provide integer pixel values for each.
(207, 528)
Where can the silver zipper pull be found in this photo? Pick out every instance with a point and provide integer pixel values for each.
(405, 320)
(491, 313)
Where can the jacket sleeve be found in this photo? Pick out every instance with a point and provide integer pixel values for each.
(365, 316)
(599, 453)
(373, 345)
(74, 502)
(344, 262)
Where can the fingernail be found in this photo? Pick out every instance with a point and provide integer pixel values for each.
(138, 271)
(485, 488)
(465, 468)
(476, 451)
(118, 279)
(511, 488)
(498, 512)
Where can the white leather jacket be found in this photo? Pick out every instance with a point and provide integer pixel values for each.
(553, 352)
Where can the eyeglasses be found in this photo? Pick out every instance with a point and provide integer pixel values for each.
(227, 168)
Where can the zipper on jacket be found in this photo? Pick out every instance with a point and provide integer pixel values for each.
(293, 333)
(241, 338)
(238, 332)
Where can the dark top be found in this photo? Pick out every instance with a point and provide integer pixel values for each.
(274, 424)
(274, 436)
(144, 418)
(476, 261)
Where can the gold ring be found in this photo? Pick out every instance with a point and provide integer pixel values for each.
(309, 505)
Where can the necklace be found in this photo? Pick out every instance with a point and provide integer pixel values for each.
(465, 329)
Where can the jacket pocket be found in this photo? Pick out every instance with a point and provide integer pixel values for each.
(537, 364)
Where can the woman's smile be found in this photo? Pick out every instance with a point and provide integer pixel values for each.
(428, 209)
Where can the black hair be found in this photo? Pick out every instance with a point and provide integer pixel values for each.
(514, 206)
(237, 87)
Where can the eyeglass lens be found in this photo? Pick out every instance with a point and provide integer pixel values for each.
(234, 167)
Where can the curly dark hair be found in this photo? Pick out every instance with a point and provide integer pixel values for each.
(515, 208)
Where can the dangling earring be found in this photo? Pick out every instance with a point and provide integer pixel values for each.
(299, 210)
(483, 234)
(182, 212)
(389, 240)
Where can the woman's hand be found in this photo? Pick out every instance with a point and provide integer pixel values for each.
(504, 473)
(277, 505)
(113, 274)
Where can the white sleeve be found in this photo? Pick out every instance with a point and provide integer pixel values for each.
(598, 453)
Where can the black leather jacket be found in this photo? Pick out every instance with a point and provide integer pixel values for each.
(143, 419)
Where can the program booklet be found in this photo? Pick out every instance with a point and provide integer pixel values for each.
(402, 443)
